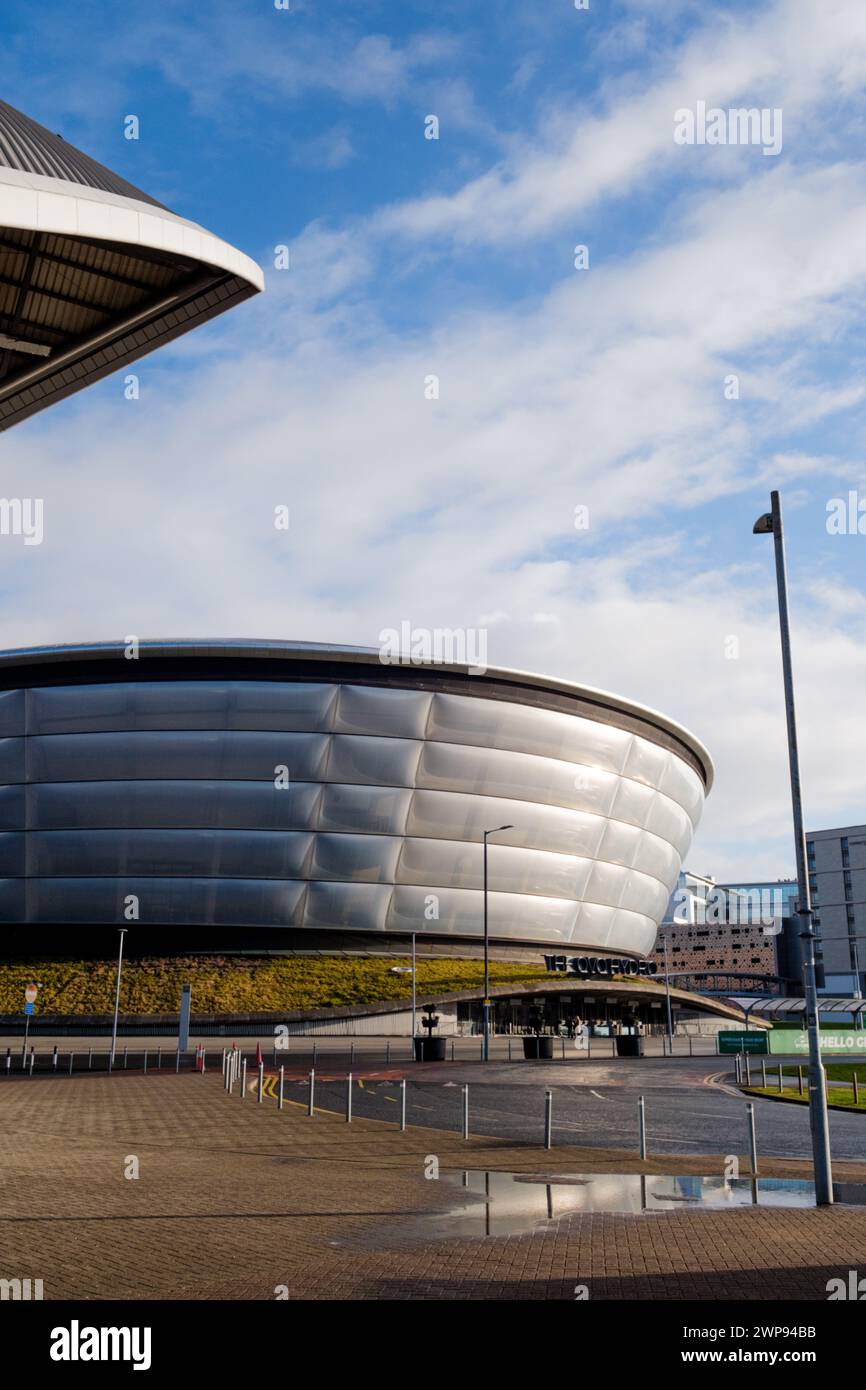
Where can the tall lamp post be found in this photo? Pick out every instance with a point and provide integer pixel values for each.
(123, 931)
(771, 524)
(486, 1004)
(668, 997)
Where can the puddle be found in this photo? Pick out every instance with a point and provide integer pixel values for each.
(504, 1204)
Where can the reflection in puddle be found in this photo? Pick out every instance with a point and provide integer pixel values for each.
(500, 1204)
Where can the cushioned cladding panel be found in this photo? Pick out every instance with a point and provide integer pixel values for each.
(175, 792)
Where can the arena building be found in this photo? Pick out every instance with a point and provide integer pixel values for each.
(279, 796)
(93, 272)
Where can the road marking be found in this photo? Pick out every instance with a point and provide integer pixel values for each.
(595, 1093)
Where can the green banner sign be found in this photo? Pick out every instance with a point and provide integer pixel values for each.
(842, 1042)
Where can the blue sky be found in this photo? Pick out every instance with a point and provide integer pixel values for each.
(558, 387)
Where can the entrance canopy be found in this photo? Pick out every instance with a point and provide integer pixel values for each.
(784, 1007)
(93, 273)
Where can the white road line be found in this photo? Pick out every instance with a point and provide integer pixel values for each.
(595, 1093)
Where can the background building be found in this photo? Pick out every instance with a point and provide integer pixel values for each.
(224, 796)
(723, 936)
(836, 861)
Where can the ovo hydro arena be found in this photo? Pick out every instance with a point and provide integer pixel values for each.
(242, 795)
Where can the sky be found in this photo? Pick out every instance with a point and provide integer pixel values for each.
(583, 486)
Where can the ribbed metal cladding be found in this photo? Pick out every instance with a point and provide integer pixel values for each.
(32, 149)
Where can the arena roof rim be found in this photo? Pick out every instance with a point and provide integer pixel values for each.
(251, 649)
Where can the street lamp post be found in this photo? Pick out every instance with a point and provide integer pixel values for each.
(486, 1003)
(668, 997)
(414, 999)
(771, 524)
(123, 931)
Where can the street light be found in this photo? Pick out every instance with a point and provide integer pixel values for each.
(771, 524)
(123, 931)
(668, 996)
(486, 1003)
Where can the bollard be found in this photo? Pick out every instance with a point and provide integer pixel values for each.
(563, 1049)
(54, 1061)
(800, 1079)
(311, 1104)
(32, 1058)
(177, 1061)
(748, 1069)
(145, 1061)
(261, 1082)
(352, 1056)
(203, 1055)
(509, 1049)
(642, 1119)
(403, 1103)
(349, 1099)
(465, 1110)
(388, 1054)
(89, 1058)
(780, 1079)
(452, 1049)
(282, 1083)
(481, 1050)
(8, 1059)
(764, 1074)
(125, 1058)
(753, 1143)
(691, 1053)
(71, 1055)
(548, 1119)
(856, 1087)
(159, 1059)
(244, 1079)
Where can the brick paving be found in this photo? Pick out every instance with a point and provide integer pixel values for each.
(235, 1200)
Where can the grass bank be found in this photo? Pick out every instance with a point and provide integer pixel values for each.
(239, 984)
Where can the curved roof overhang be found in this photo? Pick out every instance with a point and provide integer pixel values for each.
(315, 660)
(93, 273)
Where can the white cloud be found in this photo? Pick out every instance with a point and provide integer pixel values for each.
(787, 55)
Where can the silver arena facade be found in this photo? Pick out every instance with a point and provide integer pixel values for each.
(239, 795)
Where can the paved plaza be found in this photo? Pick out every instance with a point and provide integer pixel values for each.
(236, 1200)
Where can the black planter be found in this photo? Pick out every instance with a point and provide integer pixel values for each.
(430, 1049)
(538, 1049)
(629, 1045)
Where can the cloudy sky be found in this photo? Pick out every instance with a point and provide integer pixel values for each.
(606, 388)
